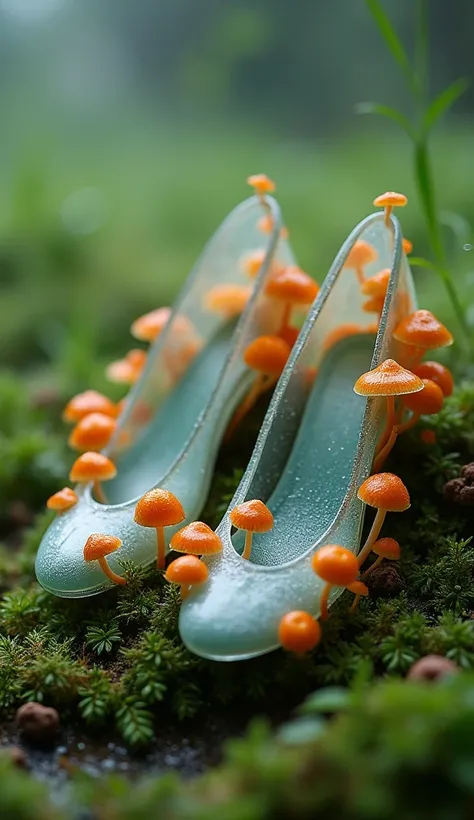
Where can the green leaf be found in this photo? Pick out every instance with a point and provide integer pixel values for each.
(387, 112)
(420, 262)
(392, 40)
(443, 102)
(330, 699)
(301, 731)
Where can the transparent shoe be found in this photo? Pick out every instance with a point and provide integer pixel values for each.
(176, 414)
(315, 448)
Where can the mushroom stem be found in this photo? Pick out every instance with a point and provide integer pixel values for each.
(372, 536)
(382, 455)
(99, 492)
(388, 211)
(354, 605)
(185, 591)
(410, 423)
(117, 579)
(286, 317)
(261, 383)
(248, 545)
(161, 551)
(360, 274)
(389, 423)
(323, 603)
(373, 566)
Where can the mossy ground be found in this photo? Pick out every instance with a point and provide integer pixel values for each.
(114, 665)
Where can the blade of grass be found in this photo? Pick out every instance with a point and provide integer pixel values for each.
(392, 40)
(387, 112)
(421, 61)
(443, 102)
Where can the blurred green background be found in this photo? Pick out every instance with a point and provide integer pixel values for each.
(128, 130)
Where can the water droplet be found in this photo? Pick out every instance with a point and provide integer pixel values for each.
(467, 247)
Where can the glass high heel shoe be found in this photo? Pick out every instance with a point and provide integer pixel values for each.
(177, 412)
(315, 449)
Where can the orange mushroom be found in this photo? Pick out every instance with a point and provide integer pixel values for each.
(229, 300)
(265, 225)
(261, 184)
(128, 369)
(62, 500)
(359, 589)
(407, 246)
(422, 331)
(93, 432)
(298, 632)
(360, 255)
(425, 403)
(390, 200)
(389, 379)
(268, 355)
(343, 332)
(428, 437)
(97, 547)
(94, 467)
(251, 516)
(338, 567)
(187, 571)
(376, 286)
(196, 539)
(148, 327)
(387, 493)
(374, 305)
(384, 548)
(158, 509)
(88, 402)
(289, 334)
(438, 373)
(292, 287)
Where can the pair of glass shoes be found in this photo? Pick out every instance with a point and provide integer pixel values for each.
(314, 449)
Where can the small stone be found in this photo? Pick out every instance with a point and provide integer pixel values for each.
(432, 668)
(466, 496)
(37, 723)
(467, 473)
(385, 580)
(452, 490)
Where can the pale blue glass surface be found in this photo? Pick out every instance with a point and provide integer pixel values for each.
(315, 448)
(177, 448)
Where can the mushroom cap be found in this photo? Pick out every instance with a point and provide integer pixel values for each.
(93, 432)
(423, 329)
(390, 198)
(428, 401)
(438, 373)
(149, 326)
(387, 548)
(374, 304)
(90, 401)
(298, 631)
(261, 183)
(253, 516)
(358, 588)
(289, 334)
(128, 369)
(292, 285)
(62, 500)
(253, 261)
(361, 253)
(267, 354)
(99, 545)
(159, 508)
(385, 491)
(335, 565)
(388, 379)
(407, 246)
(92, 466)
(188, 569)
(376, 286)
(196, 539)
(230, 300)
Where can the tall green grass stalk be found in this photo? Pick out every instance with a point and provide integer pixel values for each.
(418, 128)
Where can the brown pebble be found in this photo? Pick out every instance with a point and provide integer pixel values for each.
(37, 723)
(385, 580)
(466, 496)
(467, 473)
(432, 668)
(452, 490)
